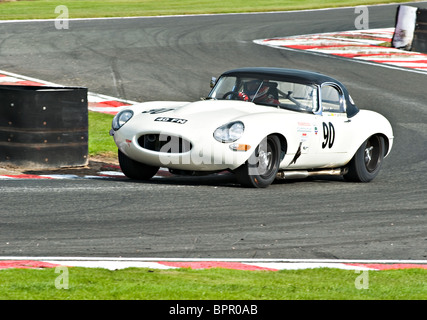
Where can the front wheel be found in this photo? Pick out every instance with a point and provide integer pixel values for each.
(367, 161)
(136, 170)
(261, 168)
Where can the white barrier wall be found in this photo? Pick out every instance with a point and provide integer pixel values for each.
(405, 26)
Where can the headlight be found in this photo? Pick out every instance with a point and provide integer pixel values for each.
(121, 118)
(229, 132)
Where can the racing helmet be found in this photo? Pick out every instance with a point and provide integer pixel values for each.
(261, 94)
(253, 90)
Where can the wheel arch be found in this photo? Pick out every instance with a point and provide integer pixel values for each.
(386, 142)
(365, 165)
(368, 124)
(283, 144)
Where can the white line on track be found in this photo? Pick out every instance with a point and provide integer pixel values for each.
(277, 264)
(190, 15)
(210, 259)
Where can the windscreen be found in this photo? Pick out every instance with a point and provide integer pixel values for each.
(281, 94)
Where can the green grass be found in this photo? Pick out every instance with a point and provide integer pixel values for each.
(45, 9)
(211, 284)
(100, 142)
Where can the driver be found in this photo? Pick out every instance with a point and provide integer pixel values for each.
(257, 91)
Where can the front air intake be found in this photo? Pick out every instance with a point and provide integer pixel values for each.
(164, 143)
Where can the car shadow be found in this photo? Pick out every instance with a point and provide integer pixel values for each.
(226, 180)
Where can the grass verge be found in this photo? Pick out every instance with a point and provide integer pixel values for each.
(45, 9)
(100, 141)
(211, 284)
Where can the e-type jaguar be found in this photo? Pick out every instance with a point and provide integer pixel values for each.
(261, 124)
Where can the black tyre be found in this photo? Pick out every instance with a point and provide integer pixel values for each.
(261, 168)
(136, 170)
(367, 161)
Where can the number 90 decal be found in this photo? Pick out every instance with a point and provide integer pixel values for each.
(328, 135)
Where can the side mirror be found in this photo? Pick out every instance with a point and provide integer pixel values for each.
(213, 82)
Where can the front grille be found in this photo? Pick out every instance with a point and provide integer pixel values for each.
(164, 143)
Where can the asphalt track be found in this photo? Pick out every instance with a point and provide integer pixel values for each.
(174, 58)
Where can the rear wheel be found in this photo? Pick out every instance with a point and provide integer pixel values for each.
(367, 161)
(134, 169)
(261, 168)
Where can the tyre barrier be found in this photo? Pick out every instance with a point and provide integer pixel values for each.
(43, 127)
(419, 43)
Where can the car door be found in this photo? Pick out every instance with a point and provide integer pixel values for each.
(332, 125)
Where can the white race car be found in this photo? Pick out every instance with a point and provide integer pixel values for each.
(261, 124)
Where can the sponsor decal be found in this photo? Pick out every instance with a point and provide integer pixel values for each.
(304, 127)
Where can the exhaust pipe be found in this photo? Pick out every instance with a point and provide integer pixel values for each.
(301, 174)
